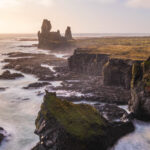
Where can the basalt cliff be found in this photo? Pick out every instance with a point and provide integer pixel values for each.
(83, 62)
(115, 71)
(140, 90)
(62, 125)
(53, 40)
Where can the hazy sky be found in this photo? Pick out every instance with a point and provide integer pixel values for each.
(84, 16)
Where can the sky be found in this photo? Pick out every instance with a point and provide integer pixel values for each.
(84, 16)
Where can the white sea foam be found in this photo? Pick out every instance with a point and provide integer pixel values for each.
(48, 66)
(19, 107)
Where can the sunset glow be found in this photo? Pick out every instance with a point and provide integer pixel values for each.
(86, 16)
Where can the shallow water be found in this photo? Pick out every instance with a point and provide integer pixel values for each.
(19, 107)
(139, 140)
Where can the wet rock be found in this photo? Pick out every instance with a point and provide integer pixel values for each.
(2, 135)
(66, 126)
(128, 117)
(87, 63)
(111, 112)
(32, 64)
(2, 89)
(10, 76)
(20, 54)
(36, 85)
(118, 72)
(68, 34)
(140, 90)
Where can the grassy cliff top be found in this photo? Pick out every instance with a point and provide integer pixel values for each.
(136, 48)
(82, 121)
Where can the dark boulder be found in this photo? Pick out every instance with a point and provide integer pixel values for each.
(111, 111)
(62, 125)
(36, 85)
(2, 135)
(10, 76)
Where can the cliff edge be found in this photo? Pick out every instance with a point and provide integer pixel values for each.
(140, 90)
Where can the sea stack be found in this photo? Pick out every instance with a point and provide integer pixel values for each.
(52, 40)
(68, 34)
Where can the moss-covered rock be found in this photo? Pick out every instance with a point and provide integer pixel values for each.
(62, 125)
(140, 92)
(76, 119)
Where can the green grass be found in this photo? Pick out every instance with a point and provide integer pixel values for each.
(82, 121)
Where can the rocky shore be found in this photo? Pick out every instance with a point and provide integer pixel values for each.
(91, 77)
(63, 125)
(91, 86)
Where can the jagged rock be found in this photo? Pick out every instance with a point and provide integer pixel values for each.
(118, 72)
(48, 39)
(36, 85)
(8, 76)
(62, 125)
(68, 34)
(2, 135)
(140, 90)
(46, 26)
(87, 63)
(111, 111)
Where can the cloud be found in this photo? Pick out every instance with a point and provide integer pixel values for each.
(13, 3)
(139, 3)
(104, 1)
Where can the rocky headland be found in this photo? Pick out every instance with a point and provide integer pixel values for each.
(53, 40)
(63, 125)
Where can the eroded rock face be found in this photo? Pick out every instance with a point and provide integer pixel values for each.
(68, 34)
(46, 26)
(140, 90)
(118, 72)
(62, 125)
(86, 63)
